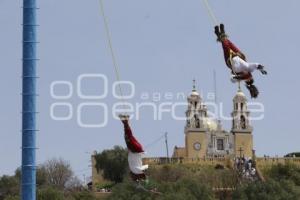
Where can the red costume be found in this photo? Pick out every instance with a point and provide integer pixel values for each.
(236, 61)
(135, 153)
(228, 49)
(132, 144)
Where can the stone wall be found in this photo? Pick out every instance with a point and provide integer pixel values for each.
(200, 161)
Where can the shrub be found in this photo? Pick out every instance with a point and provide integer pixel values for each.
(50, 193)
(270, 190)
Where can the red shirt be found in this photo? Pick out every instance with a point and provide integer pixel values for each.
(227, 46)
(132, 144)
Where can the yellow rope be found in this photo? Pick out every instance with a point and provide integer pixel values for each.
(109, 38)
(210, 12)
(215, 22)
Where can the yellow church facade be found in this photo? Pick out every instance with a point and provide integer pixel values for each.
(205, 137)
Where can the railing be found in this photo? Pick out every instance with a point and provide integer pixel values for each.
(165, 160)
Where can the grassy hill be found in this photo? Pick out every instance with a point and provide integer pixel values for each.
(193, 182)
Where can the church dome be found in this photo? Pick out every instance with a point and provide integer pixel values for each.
(211, 124)
(194, 93)
(240, 96)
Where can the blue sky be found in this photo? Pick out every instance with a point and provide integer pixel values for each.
(161, 46)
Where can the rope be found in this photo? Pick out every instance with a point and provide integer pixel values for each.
(210, 12)
(215, 22)
(114, 60)
(155, 141)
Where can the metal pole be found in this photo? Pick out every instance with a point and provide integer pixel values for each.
(215, 87)
(28, 188)
(167, 147)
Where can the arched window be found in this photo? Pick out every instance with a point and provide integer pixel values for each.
(243, 122)
(220, 144)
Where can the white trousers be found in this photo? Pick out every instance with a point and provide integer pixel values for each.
(239, 65)
(135, 161)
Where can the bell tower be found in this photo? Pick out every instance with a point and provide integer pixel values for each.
(196, 110)
(195, 128)
(241, 128)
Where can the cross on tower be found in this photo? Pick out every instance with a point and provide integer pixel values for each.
(194, 85)
(239, 85)
(240, 150)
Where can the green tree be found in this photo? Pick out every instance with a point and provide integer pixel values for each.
(128, 190)
(10, 197)
(270, 190)
(9, 186)
(113, 163)
(169, 173)
(188, 188)
(83, 195)
(41, 176)
(286, 171)
(50, 193)
(54, 178)
(182, 189)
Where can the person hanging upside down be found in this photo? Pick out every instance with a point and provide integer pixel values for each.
(135, 152)
(237, 62)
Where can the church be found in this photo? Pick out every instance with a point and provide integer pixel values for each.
(205, 137)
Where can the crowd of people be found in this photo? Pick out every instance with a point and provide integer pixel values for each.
(246, 168)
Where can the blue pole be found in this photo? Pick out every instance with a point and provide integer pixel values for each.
(28, 190)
